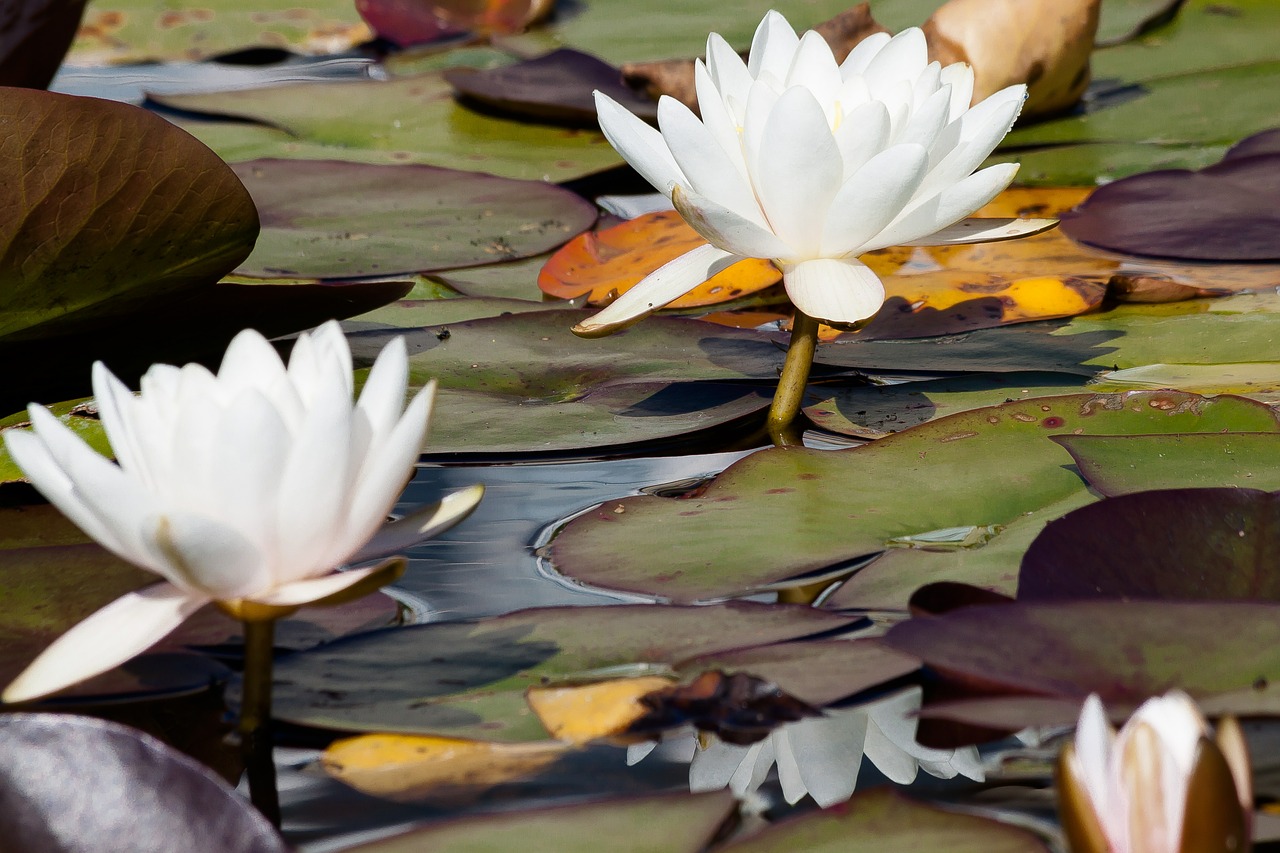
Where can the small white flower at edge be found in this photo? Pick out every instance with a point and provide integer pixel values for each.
(811, 164)
(821, 756)
(248, 488)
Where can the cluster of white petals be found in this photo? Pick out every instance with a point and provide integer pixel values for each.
(252, 485)
(810, 164)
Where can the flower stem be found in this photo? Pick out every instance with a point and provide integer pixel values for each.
(795, 376)
(255, 717)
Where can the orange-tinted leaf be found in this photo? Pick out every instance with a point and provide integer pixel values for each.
(408, 22)
(584, 713)
(403, 767)
(602, 265)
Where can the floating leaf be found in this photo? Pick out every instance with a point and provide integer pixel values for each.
(1174, 544)
(1118, 465)
(1259, 380)
(603, 265)
(739, 709)
(81, 785)
(404, 767)
(468, 679)
(80, 416)
(119, 31)
(1125, 651)
(329, 219)
(144, 211)
(410, 22)
(1223, 213)
(673, 823)
(1122, 20)
(525, 384)
(556, 87)
(884, 821)
(773, 517)
(33, 39)
(582, 713)
(408, 120)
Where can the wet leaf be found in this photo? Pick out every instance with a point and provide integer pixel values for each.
(525, 384)
(76, 784)
(1045, 44)
(1118, 465)
(884, 821)
(602, 265)
(80, 416)
(404, 767)
(739, 708)
(410, 22)
(1050, 655)
(556, 87)
(33, 38)
(329, 219)
(1221, 213)
(144, 212)
(119, 31)
(1258, 380)
(468, 679)
(1139, 336)
(675, 823)
(582, 713)
(406, 120)
(773, 517)
(1122, 548)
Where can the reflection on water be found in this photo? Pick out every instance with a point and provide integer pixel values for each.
(486, 565)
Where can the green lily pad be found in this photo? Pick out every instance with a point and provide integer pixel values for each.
(673, 823)
(417, 313)
(1138, 336)
(1050, 655)
(511, 280)
(1118, 465)
(467, 679)
(81, 416)
(329, 219)
(1121, 21)
(778, 514)
(892, 578)
(119, 31)
(884, 821)
(523, 383)
(143, 212)
(409, 120)
(878, 410)
(1220, 549)
(1086, 163)
(1259, 380)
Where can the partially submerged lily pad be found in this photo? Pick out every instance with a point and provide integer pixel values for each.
(143, 212)
(467, 679)
(1118, 465)
(330, 219)
(779, 514)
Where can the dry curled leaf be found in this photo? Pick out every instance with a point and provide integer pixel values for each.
(582, 713)
(1043, 43)
(739, 708)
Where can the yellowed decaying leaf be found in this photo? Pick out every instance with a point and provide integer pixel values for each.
(1043, 43)
(584, 713)
(404, 767)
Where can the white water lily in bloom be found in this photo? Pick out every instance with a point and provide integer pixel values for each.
(810, 164)
(1159, 786)
(821, 756)
(248, 488)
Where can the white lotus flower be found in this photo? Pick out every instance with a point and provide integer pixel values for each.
(821, 756)
(247, 488)
(1160, 786)
(810, 164)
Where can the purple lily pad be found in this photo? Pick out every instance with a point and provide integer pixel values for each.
(1267, 142)
(34, 36)
(556, 87)
(1226, 212)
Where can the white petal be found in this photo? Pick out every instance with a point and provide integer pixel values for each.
(872, 198)
(639, 144)
(118, 412)
(421, 524)
(752, 772)
(665, 284)
(926, 85)
(760, 102)
(984, 231)
(814, 68)
(828, 751)
(310, 590)
(928, 119)
(713, 767)
(1095, 742)
(891, 735)
(959, 76)
(863, 53)
(772, 47)
(247, 462)
(798, 171)
(832, 289)
(710, 171)
(948, 207)
(205, 555)
(637, 752)
(962, 145)
(728, 72)
(901, 59)
(124, 628)
(862, 134)
(382, 398)
(1179, 725)
(250, 362)
(726, 230)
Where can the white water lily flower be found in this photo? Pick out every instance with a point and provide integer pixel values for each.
(1160, 786)
(810, 164)
(821, 756)
(248, 488)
